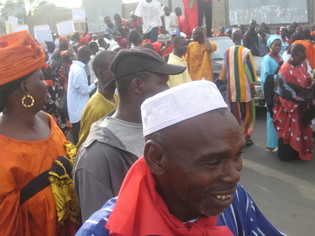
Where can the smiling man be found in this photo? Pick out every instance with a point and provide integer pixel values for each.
(187, 181)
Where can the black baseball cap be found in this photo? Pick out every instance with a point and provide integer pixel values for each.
(139, 59)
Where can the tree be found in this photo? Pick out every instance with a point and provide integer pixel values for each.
(45, 7)
(13, 8)
(29, 4)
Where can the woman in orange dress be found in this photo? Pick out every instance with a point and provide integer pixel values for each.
(30, 143)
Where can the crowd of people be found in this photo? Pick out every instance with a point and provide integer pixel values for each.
(157, 148)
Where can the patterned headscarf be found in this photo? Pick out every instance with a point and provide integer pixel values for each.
(19, 55)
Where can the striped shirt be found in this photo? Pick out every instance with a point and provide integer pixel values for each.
(242, 217)
(238, 71)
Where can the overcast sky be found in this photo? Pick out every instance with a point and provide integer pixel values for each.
(72, 3)
(78, 3)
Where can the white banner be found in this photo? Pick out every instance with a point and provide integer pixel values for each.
(42, 33)
(21, 27)
(65, 28)
(14, 20)
(78, 14)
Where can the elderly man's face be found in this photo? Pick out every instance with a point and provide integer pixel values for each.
(203, 165)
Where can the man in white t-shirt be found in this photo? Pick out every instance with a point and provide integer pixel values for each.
(151, 12)
(78, 89)
(171, 20)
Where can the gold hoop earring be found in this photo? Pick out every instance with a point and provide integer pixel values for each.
(32, 101)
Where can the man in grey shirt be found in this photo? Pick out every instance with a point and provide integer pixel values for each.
(115, 142)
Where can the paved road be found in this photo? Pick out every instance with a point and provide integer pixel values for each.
(284, 191)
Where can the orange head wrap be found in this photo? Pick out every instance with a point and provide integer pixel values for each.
(19, 56)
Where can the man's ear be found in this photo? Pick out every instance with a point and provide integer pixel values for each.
(137, 85)
(154, 157)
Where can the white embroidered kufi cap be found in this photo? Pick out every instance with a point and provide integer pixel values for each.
(180, 103)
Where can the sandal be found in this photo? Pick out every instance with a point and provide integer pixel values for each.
(268, 149)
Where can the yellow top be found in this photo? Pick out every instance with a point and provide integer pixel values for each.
(180, 78)
(199, 62)
(97, 107)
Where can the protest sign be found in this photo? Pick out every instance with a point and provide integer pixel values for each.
(78, 14)
(21, 27)
(65, 28)
(42, 33)
(14, 20)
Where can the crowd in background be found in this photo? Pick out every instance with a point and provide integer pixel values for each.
(164, 33)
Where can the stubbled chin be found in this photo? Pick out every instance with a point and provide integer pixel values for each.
(212, 213)
(216, 207)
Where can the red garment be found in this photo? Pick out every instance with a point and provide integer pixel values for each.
(157, 46)
(84, 40)
(221, 34)
(180, 23)
(49, 82)
(277, 57)
(63, 39)
(284, 39)
(168, 50)
(145, 41)
(86, 35)
(140, 210)
(46, 66)
(287, 114)
(190, 18)
(136, 25)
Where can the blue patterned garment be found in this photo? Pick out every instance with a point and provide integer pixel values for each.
(243, 218)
